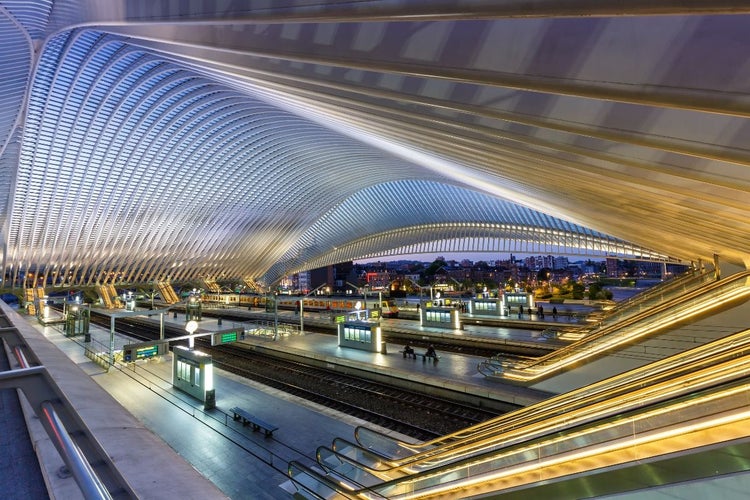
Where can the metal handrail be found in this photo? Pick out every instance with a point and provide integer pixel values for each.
(591, 343)
(47, 401)
(90, 484)
(564, 405)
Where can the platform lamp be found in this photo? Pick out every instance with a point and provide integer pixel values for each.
(190, 327)
(302, 306)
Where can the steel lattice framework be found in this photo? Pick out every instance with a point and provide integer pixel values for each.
(148, 141)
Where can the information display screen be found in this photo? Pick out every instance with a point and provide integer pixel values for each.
(227, 336)
(146, 352)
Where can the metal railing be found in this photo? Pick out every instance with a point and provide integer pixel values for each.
(650, 320)
(645, 415)
(62, 423)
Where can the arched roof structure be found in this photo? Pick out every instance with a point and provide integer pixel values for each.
(149, 140)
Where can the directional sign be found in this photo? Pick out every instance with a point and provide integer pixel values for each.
(227, 336)
(144, 350)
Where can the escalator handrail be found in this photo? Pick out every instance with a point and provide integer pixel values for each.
(704, 355)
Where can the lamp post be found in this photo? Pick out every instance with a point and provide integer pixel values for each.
(363, 290)
(276, 315)
(190, 327)
(421, 290)
(302, 308)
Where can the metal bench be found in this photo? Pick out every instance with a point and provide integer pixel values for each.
(425, 357)
(415, 355)
(255, 422)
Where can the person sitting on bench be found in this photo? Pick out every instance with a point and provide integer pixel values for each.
(431, 352)
(409, 352)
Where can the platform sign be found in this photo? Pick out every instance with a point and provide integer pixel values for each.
(146, 352)
(133, 352)
(227, 336)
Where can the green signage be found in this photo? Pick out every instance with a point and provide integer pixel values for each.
(228, 337)
(146, 352)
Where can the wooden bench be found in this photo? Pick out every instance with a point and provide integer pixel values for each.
(412, 354)
(255, 422)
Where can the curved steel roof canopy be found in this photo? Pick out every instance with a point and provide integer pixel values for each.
(150, 140)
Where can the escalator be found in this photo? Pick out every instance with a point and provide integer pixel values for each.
(663, 413)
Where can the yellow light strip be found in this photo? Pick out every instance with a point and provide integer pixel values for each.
(726, 419)
(527, 374)
(649, 395)
(593, 396)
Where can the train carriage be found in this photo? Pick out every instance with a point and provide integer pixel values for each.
(388, 307)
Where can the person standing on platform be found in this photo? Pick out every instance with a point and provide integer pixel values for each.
(554, 313)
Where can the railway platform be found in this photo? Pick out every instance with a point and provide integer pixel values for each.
(152, 469)
(455, 372)
(487, 329)
(239, 462)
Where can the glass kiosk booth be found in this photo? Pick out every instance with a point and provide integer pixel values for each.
(438, 313)
(193, 309)
(363, 335)
(513, 301)
(356, 331)
(193, 373)
(77, 318)
(488, 307)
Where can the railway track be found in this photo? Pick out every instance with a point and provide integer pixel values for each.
(415, 414)
(411, 413)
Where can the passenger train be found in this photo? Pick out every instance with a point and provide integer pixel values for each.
(388, 307)
(234, 299)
